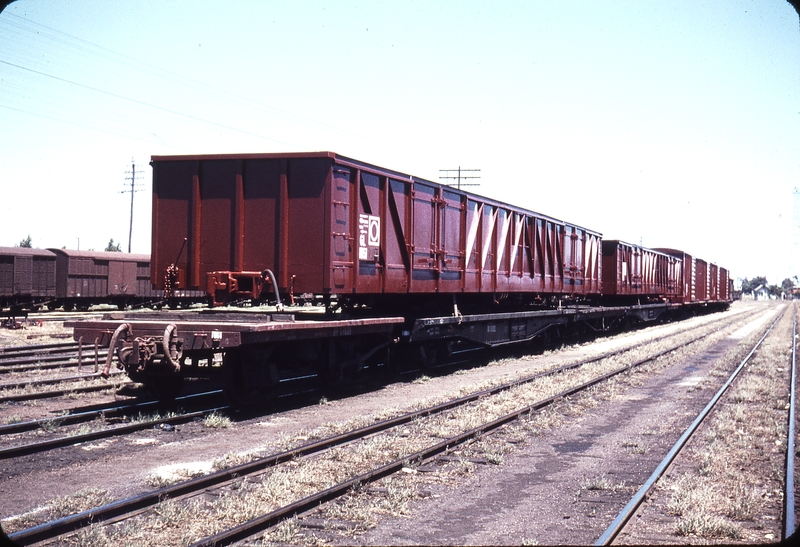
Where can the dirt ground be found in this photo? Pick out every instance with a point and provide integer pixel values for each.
(537, 495)
(566, 486)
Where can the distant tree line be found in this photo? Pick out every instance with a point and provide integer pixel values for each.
(786, 286)
(27, 243)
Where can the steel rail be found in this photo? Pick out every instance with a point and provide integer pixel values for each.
(33, 448)
(60, 392)
(788, 499)
(627, 512)
(36, 347)
(57, 361)
(5, 358)
(259, 524)
(107, 411)
(51, 381)
(122, 508)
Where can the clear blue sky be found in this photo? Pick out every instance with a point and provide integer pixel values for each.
(671, 123)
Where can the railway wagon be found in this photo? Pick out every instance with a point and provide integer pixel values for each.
(413, 273)
(725, 285)
(635, 273)
(27, 276)
(701, 285)
(323, 224)
(86, 278)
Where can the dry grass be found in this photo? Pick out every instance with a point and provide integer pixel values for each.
(737, 458)
(216, 420)
(179, 523)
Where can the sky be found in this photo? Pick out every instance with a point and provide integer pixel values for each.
(669, 124)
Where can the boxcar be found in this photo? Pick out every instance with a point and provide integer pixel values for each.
(86, 278)
(686, 292)
(725, 285)
(329, 225)
(633, 271)
(27, 276)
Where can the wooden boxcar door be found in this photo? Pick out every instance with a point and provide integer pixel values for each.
(23, 274)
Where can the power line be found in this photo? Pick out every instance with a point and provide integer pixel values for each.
(143, 103)
(102, 52)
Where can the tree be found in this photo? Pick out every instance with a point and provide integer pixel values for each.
(26, 243)
(775, 290)
(787, 285)
(113, 248)
(749, 286)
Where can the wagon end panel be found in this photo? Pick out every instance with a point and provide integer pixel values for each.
(713, 282)
(612, 268)
(304, 237)
(176, 226)
(261, 211)
(593, 263)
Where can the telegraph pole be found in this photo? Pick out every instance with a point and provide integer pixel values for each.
(458, 177)
(132, 177)
(794, 253)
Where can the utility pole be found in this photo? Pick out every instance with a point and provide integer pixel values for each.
(794, 253)
(133, 189)
(458, 176)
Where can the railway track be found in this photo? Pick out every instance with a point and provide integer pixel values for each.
(36, 348)
(580, 382)
(624, 517)
(111, 414)
(9, 391)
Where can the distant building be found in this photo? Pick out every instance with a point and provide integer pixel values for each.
(761, 293)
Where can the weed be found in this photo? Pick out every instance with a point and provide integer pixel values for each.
(600, 482)
(81, 501)
(708, 526)
(217, 421)
(744, 503)
(50, 425)
(232, 459)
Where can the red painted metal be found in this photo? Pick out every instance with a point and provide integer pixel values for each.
(686, 287)
(725, 291)
(632, 270)
(701, 285)
(330, 225)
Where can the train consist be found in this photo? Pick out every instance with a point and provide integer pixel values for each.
(408, 270)
(31, 279)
